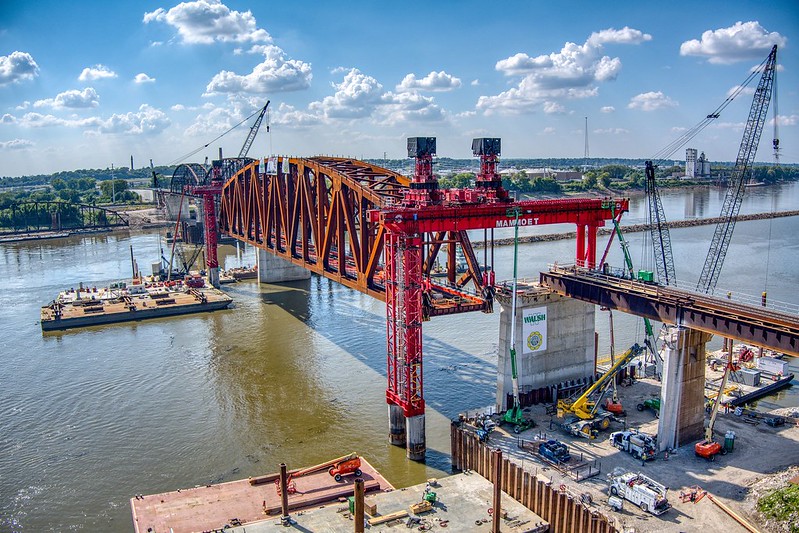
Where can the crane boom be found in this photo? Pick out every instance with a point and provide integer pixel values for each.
(582, 407)
(659, 231)
(740, 174)
(253, 132)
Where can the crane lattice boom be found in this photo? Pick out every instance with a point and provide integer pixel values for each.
(659, 230)
(740, 175)
(253, 132)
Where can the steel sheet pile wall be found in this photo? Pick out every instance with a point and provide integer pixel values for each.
(564, 513)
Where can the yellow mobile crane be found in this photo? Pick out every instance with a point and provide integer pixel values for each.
(582, 416)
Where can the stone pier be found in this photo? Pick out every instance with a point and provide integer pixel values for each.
(682, 396)
(554, 340)
(273, 269)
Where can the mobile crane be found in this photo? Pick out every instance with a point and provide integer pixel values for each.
(709, 448)
(581, 416)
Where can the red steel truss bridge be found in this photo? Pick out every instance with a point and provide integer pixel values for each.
(381, 233)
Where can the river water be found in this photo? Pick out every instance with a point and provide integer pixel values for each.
(295, 373)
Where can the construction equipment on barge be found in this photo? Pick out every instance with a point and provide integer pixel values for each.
(120, 302)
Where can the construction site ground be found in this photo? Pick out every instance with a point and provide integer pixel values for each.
(760, 451)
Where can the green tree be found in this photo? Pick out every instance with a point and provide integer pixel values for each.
(605, 179)
(69, 195)
(58, 184)
(112, 189)
(456, 180)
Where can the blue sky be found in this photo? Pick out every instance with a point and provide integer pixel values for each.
(87, 84)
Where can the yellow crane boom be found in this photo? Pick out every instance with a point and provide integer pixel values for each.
(582, 406)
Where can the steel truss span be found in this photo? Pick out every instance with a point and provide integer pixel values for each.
(380, 233)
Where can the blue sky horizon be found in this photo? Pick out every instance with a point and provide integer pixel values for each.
(89, 84)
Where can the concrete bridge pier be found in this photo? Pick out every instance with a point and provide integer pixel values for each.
(682, 396)
(407, 431)
(213, 277)
(396, 425)
(274, 269)
(415, 445)
(554, 340)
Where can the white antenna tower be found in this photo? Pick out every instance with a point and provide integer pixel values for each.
(586, 143)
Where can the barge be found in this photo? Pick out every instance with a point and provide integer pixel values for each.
(123, 303)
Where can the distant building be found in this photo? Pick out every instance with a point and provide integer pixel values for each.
(557, 175)
(696, 167)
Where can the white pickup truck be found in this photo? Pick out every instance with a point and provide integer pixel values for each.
(644, 492)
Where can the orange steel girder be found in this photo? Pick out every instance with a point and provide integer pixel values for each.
(312, 209)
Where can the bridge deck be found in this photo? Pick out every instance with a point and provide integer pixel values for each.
(757, 325)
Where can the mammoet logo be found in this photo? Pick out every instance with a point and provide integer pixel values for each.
(509, 223)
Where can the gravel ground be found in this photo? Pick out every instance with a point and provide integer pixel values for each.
(760, 459)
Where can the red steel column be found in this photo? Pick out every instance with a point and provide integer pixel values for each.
(412, 395)
(212, 263)
(394, 354)
(580, 256)
(590, 253)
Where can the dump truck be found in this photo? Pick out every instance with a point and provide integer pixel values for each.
(643, 491)
(639, 445)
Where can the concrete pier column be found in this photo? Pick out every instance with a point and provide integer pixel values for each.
(554, 340)
(414, 431)
(396, 425)
(273, 269)
(213, 277)
(682, 396)
(172, 203)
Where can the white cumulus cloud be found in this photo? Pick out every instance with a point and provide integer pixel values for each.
(551, 108)
(573, 72)
(611, 131)
(73, 99)
(739, 42)
(275, 74)
(607, 109)
(651, 101)
(16, 144)
(360, 96)
(356, 96)
(97, 72)
(146, 121)
(141, 77)
(207, 21)
(783, 120)
(17, 67)
(435, 81)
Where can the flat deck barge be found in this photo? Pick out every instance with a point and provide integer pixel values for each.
(220, 506)
(82, 308)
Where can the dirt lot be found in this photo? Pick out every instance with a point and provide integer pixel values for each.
(760, 452)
